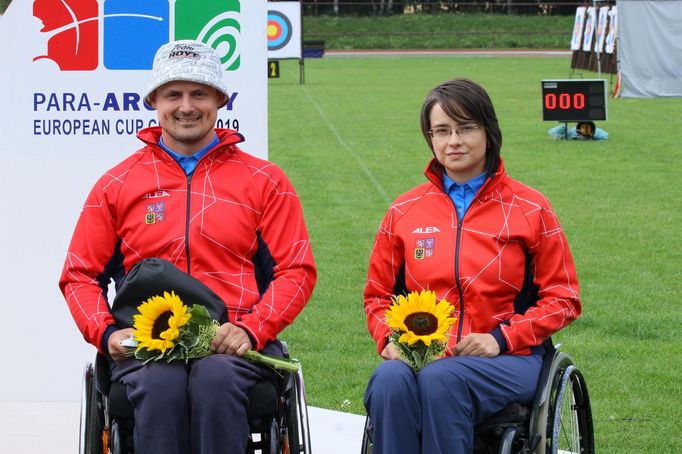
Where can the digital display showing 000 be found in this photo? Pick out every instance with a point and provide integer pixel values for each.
(574, 100)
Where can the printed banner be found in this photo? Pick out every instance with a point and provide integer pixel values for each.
(613, 30)
(589, 29)
(72, 80)
(80, 66)
(601, 29)
(576, 39)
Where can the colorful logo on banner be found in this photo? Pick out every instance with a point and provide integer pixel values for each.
(132, 31)
(279, 30)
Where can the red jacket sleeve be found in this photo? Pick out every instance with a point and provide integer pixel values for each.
(385, 263)
(283, 230)
(92, 246)
(555, 276)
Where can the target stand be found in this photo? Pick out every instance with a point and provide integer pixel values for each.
(284, 33)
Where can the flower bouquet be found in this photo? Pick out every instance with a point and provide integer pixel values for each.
(420, 327)
(166, 329)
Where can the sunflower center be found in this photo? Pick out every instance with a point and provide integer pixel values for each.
(421, 323)
(161, 324)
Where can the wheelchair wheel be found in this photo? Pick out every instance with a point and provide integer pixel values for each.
(91, 419)
(571, 428)
(273, 437)
(367, 446)
(121, 436)
(300, 441)
(293, 439)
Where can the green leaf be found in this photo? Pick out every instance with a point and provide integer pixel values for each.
(200, 316)
(145, 355)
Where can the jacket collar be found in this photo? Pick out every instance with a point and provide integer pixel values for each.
(227, 137)
(434, 172)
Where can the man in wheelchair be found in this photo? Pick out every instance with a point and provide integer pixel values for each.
(191, 198)
(491, 246)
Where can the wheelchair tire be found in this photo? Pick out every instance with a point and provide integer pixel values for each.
(303, 423)
(367, 447)
(273, 438)
(92, 416)
(293, 441)
(570, 427)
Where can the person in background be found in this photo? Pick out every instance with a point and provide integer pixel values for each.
(492, 247)
(232, 221)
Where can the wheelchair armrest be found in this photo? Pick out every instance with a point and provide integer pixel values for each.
(285, 348)
(102, 374)
(553, 362)
(543, 381)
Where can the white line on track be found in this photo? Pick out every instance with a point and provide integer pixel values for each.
(380, 189)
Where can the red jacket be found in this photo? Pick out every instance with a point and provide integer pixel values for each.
(509, 235)
(236, 225)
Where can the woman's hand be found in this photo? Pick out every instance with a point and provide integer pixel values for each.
(478, 344)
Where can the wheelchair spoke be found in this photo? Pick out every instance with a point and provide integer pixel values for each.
(569, 436)
(572, 427)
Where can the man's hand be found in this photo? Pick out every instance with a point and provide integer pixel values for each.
(117, 351)
(478, 344)
(390, 351)
(231, 339)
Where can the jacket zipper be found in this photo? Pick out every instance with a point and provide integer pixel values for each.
(189, 198)
(460, 292)
(187, 217)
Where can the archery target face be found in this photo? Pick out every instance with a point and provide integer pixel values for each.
(279, 30)
(284, 30)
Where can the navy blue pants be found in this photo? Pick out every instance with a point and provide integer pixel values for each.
(436, 410)
(197, 408)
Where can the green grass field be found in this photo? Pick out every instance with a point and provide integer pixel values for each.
(349, 139)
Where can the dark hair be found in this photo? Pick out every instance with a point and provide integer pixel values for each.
(465, 102)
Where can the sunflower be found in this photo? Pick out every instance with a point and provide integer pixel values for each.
(418, 317)
(158, 323)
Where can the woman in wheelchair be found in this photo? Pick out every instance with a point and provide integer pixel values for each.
(491, 246)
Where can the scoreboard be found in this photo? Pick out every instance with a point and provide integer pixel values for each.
(574, 100)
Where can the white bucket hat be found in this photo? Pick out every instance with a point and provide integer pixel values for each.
(187, 60)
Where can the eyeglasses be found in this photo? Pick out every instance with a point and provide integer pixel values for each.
(445, 133)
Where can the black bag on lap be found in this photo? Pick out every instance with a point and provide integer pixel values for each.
(154, 276)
